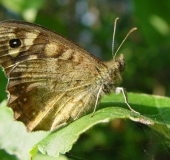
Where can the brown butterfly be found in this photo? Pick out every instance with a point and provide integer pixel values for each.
(52, 81)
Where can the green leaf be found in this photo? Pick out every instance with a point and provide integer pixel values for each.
(154, 113)
(14, 138)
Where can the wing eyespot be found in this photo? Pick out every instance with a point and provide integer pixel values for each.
(15, 43)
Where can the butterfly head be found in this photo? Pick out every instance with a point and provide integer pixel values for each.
(120, 63)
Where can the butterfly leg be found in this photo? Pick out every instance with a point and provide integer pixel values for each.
(120, 89)
(97, 99)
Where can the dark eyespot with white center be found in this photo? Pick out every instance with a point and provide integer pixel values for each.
(15, 43)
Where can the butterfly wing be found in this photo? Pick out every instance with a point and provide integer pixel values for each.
(51, 81)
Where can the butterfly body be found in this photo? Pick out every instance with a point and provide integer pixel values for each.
(51, 81)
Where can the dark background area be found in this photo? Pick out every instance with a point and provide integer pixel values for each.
(147, 55)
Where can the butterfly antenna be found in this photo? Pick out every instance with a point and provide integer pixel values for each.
(113, 41)
(115, 23)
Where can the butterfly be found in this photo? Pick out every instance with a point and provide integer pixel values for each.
(52, 81)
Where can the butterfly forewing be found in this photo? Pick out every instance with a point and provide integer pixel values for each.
(51, 81)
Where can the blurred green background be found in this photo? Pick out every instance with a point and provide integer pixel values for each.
(147, 54)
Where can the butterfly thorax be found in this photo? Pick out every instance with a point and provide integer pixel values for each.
(113, 78)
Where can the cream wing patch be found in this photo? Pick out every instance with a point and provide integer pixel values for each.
(50, 49)
(28, 42)
(14, 52)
